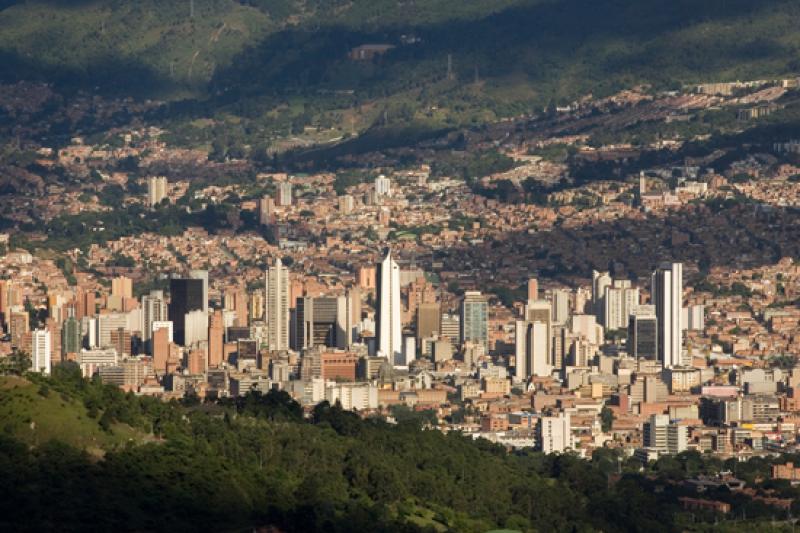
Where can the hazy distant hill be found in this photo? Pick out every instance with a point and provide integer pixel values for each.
(504, 56)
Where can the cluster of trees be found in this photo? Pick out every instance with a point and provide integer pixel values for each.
(257, 461)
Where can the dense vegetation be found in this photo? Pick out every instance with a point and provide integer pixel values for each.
(256, 461)
(261, 67)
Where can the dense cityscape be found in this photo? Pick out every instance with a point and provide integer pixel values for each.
(341, 270)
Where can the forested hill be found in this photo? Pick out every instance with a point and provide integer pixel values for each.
(504, 54)
(127, 463)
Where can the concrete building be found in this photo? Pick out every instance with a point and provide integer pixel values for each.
(388, 316)
(474, 318)
(41, 351)
(667, 294)
(277, 290)
(554, 433)
(156, 190)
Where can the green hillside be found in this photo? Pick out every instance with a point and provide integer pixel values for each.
(521, 52)
(36, 414)
(256, 461)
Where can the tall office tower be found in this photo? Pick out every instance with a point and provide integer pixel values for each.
(474, 318)
(533, 289)
(195, 327)
(278, 306)
(450, 326)
(317, 322)
(257, 305)
(186, 295)
(71, 336)
(619, 301)
(532, 349)
(156, 190)
(643, 333)
(667, 294)
(216, 333)
(600, 280)
(122, 287)
(86, 305)
(388, 326)
(383, 186)
(428, 320)
(560, 305)
(658, 433)
(266, 206)
(540, 311)
(40, 351)
(154, 309)
(106, 323)
(161, 343)
(350, 316)
(202, 275)
(285, 193)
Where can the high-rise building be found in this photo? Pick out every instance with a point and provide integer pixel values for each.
(186, 295)
(560, 305)
(532, 349)
(156, 190)
(474, 318)
(18, 326)
(40, 351)
(277, 290)
(619, 302)
(643, 333)
(202, 275)
(266, 207)
(667, 294)
(216, 333)
(600, 280)
(383, 186)
(318, 322)
(285, 193)
(428, 320)
(122, 287)
(154, 309)
(162, 333)
(71, 336)
(257, 305)
(388, 324)
(108, 322)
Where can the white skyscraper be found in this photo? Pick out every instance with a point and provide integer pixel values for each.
(383, 186)
(41, 351)
(388, 327)
(278, 306)
(667, 294)
(532, 349)
(619, 302)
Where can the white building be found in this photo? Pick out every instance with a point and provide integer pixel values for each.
(619, 304)
(41, 350)
(91, 360)
(388, 326)
(555, 433)
(383, 186)
(156, 190)
(532, 349)
(353, 396)
(278, 306)
(667, 294)
(285, 193)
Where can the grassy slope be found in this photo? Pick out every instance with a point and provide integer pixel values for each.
(35, 419)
